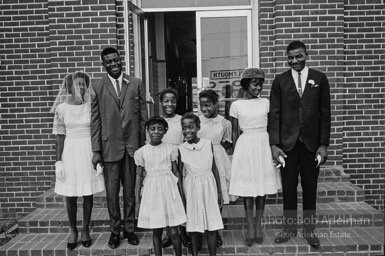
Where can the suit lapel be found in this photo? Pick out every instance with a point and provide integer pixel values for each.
(291, 82)
(124, 88)
(111, 89)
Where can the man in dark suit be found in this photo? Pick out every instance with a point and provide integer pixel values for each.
(119, 113)
(299, 132)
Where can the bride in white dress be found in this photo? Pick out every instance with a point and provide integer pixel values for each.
(75, 175)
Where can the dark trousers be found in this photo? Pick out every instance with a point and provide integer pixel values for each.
(116, 173)
(300, 161)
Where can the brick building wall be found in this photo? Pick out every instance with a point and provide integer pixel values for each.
(44, 40)
(25, 145)
(364, 104)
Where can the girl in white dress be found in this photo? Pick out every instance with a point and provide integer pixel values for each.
(252, 172)
(161, 204)
(201, 185)
(217, 129)
(168, 100)
(75, 175)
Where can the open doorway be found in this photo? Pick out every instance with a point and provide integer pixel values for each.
(172, 56)
(181, 56)
(195, 50)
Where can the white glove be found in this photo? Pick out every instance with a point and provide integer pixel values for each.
(59, 170)
(99, 170)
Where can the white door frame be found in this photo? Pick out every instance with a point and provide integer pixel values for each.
(252, 26)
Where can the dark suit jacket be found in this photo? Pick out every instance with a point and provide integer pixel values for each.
(291, 115)
(115, 127)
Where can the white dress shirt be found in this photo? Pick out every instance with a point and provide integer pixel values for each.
(304, 73)
(113, 81)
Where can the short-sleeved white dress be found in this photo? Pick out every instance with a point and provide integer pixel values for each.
(252, 171)
(161, 203)
(200, 187)
(218, 129)
(73, 121)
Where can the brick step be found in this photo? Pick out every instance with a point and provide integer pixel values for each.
(327, 174)
(334, 241)
(328, 192)
(329, 215)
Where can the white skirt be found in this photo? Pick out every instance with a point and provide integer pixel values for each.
(252, 171)
(161, 204)
(80, 177)
(202, 203)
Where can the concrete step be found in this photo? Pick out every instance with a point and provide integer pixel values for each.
(329, 215)
(334, 241)
(328, 192)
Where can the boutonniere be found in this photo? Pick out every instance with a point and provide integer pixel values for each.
(312, 83)
(126, 80)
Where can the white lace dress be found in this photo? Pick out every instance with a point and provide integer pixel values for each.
(218, 130)
(252, 171)
(73, 121)
(161, 203)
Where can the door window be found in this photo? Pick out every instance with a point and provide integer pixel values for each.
(224, 50)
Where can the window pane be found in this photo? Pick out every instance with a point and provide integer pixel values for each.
(224, 55)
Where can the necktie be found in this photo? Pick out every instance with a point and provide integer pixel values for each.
(299, 85)
(118, 87)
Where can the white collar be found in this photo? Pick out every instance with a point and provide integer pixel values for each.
(194, 146)
(120, 79)
(216, 119)
(304, 72)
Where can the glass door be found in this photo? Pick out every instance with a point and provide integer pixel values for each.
(224, 50)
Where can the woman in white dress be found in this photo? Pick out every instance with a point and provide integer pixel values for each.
(75, 175)
(252, 172)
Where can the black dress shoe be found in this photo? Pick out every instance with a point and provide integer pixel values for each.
(284, 236)
(258, 240)
(114, 241)
(249, 241)
(166, 242)
(312, 239)
(219, 240)
(185, 240)
(87, 243)
(131, 238)
(71, 246)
